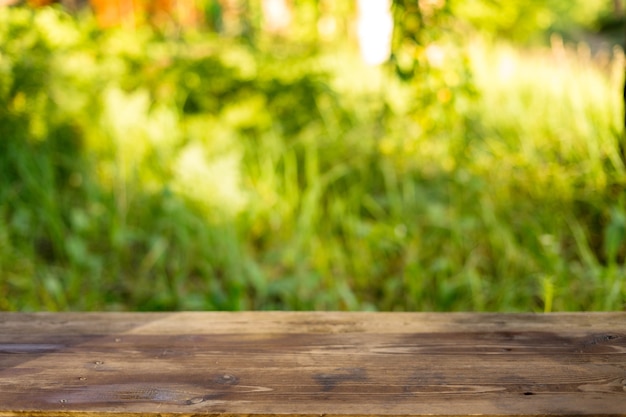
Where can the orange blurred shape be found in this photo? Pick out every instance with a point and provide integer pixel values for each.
(132, 12)
(182, 12)
(39, 3)
(116, 12)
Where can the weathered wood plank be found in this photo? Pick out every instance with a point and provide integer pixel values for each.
(312, 364)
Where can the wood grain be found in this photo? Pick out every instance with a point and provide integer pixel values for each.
(312, 364)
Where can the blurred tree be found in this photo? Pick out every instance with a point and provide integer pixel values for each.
(418, 25)
(429, 54)
(234, 17)
(68, 4)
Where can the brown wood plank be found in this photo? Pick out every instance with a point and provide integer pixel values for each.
(312, 364)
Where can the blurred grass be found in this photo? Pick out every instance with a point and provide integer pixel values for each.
(144, 173)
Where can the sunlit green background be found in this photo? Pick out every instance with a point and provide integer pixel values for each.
(160, 165)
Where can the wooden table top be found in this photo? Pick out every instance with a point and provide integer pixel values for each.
(312, 364)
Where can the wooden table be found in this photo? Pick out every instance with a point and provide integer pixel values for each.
(312, 364)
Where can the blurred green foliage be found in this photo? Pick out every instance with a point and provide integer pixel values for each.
(530, 21)
(144, 172)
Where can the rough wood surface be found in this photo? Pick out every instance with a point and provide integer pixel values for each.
(312, 364)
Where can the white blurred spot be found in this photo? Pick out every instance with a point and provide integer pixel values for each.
(435, 55)
(374, 29)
